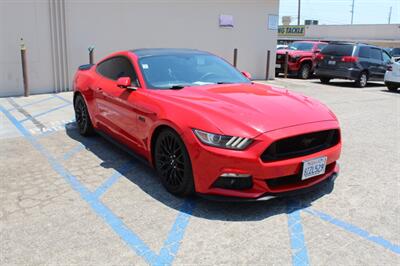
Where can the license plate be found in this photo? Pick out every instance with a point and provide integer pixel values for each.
(277, 65)
(330, 62)
(313, 167)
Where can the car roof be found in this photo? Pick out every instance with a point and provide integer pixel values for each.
(145, 52)
(354, 43)
(311, 41)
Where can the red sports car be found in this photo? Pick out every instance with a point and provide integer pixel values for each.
(205, 127)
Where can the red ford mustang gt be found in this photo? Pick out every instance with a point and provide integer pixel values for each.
(205, 127)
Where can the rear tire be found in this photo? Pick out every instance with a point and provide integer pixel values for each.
(305, 71)
(362, 80)
(325, 80)
(82, 117)
(173, 165)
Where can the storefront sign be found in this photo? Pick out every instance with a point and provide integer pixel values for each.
(291, 30)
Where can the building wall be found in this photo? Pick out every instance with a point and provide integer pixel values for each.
(120, 25)
(30, 20)
(380, 34)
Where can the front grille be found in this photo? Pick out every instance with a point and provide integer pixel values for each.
(301, 145)
(294, 180)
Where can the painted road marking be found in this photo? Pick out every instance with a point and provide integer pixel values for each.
(45, 112)
(174, 239)
(355, 230)
(297, 242)
(27, 115)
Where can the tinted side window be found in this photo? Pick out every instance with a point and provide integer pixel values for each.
(117, 67)
(376, 53)
(364, 52)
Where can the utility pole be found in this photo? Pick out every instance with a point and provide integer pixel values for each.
(352, 12)
(298, 12)
(390, 15)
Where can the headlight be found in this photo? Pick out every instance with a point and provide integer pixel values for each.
(222, 141)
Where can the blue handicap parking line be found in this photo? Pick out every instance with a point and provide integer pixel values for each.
(46, 112)
(355, 230)
(297, 242)
(61, 98)
(32, 103)
(171, 245)
(113, 179)
(73, 151)
(175, 236)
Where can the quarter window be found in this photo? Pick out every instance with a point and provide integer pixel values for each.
(364, 52)
(376, 54)
(117, 67)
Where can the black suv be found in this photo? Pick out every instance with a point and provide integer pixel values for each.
(354, 61)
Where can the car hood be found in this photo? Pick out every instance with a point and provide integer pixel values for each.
(248, 109)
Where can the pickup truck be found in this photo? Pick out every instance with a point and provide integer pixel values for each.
(301, 58)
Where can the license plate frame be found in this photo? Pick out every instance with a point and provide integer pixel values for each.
(331, 62)
(313, 167)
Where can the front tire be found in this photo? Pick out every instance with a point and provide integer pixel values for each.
(325, 80)
(172, 163)
(362, 80)
(82, 117)
(392, 88)
(305, 71)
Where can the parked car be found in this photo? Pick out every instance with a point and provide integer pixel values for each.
(205, 127)
(395, 53)
(354, 61)
(281, 46)
(392, 76)
(301, 58)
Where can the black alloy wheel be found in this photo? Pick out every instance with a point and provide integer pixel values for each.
(82, 117)
(172, 163)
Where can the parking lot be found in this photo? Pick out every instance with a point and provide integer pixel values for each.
(67, 200)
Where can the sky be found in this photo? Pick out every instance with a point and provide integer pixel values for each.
(339, 11)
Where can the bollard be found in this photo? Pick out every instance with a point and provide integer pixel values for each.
(286, 64)
(267, 66)
(235, 51)
(24, 68)
(91, 56)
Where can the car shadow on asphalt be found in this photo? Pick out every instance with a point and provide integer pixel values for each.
(392, 92)
(145, 177)
(349, 84)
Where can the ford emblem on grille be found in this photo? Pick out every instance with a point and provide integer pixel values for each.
(307, 141)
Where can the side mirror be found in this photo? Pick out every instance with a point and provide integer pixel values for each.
(125, 83)
(316, 51)
(246, 74)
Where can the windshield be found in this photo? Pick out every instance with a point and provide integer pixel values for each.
(302, 46)
(181, 70)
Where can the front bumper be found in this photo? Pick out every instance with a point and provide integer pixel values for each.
(209, 163)
(293, 67)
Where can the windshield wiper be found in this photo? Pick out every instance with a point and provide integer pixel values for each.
(223, 82)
